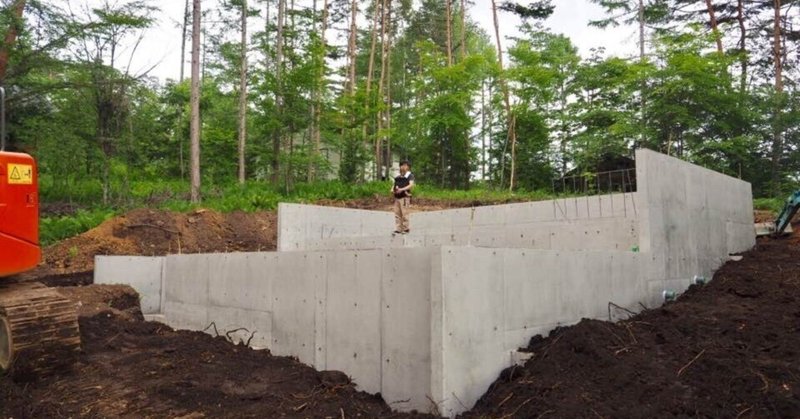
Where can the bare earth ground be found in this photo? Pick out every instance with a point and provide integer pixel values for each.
(727, 349)
(151, 232)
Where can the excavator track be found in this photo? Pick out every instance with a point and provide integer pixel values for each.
(39, 332)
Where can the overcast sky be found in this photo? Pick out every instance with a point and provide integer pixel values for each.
(161, 45)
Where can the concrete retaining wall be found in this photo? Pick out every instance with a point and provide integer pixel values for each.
(494, 300)
(300, 226)
(437, 314)
(695, 217)
(607, 222)
(366, 313)
(143, 273)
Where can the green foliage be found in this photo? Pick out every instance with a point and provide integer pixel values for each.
(103, 135)
(769, 204)
(54, 229)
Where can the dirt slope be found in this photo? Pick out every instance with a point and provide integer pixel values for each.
(155, 232)
(149, 232)
(138, 369)
(728, 349)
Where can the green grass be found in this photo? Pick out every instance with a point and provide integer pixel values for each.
(55, 229)
(769, 204)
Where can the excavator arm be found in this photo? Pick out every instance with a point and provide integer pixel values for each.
(787, 213)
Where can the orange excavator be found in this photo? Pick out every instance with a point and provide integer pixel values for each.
(38, 327)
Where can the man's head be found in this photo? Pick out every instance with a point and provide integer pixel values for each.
(405, 166)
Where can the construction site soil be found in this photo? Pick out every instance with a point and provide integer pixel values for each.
(150, 232)
(730, 348)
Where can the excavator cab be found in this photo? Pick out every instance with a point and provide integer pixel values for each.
(38, 327)
(19, 214)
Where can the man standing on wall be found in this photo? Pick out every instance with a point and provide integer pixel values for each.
(403, 184)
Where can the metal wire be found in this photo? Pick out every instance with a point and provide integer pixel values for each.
(600, 183)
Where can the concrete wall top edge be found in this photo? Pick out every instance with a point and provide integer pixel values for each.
(286, 205)
(515, 205)
(644, 153)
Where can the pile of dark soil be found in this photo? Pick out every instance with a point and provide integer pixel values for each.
(728, 349)
(148, 232)
(144, 369)
(120, 300)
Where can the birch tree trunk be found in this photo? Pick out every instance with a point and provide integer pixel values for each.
(370, 71)
(351, 47)
(316, 135)
(388, 108)
(449, 14)
(243, 96)
(641, 30)
(195, 105)
(742, 47)
(381, 93)
(277, 135)
(183, 39)
(512, 136)
(463, 29)
(777, 135)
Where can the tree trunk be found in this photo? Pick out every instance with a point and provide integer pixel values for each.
(243, 96)
(179, 124)
(641, 30)
(742, 48)
(370, 71)
(381, 93)
(316, 135)
(777, 135)
(512, 136)
(463, 29)
(712, 17)
(183, 38)
(388, 108)
(483, 130)
(449, 14)
(276, 136)
(11, 38)
(195, 104)
(351, 47)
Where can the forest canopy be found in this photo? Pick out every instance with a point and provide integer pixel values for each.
(295, 91)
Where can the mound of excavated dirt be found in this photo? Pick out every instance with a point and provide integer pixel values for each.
(148, 232)
(120, 300)
(154, 232)
(144, 369)
(728, 349)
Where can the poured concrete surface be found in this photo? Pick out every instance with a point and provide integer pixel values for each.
(434, 316)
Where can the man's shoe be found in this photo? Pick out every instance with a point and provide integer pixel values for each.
(396, 232)
(407, 231)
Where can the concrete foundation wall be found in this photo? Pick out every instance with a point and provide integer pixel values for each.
(144, 274)
(300, 226)
(366, 313)
(694, 216)
(494, 300)
(607, 222)
(434, 316)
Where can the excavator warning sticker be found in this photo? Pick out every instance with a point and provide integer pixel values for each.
(20, 174)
